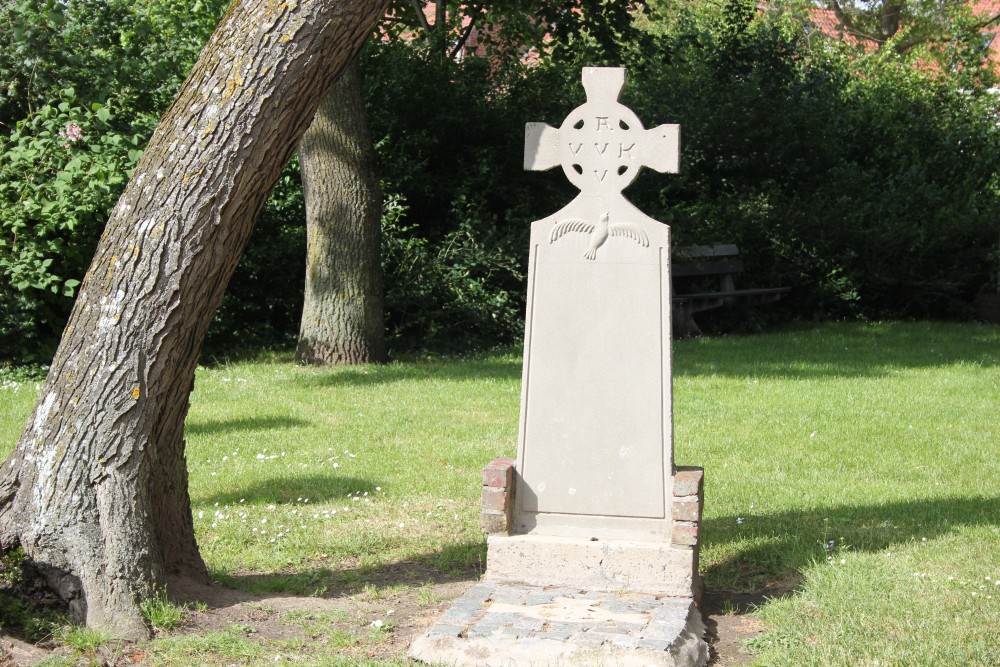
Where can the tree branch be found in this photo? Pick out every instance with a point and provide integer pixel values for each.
(468, 31)
(847, 23)
(986, 22)
(842, 16)
(419, 11)
(906, 44)
(892, 14)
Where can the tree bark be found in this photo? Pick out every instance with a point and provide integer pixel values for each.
(342, 319)
(96, 490)
(892, 14)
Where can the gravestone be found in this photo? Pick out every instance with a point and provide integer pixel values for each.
(593, 545)
(594, 449)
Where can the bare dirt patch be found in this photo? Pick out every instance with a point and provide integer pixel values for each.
(14, 652)
(385, 615)
(730, 621)
(375, 618)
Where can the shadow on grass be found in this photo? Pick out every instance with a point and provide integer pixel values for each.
(317, 488)
(462, 561)
(783, 545)
(840, 350)
(504, 368)
(243, 424)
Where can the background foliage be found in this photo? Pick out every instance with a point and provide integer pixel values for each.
(103, 70)
(62, 170)
(866, 181)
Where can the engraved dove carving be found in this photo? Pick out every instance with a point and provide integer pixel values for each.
(599, 233)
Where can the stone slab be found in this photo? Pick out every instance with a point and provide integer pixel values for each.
(598, 565)
(496, 624)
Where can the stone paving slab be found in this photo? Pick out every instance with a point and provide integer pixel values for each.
(504, 625)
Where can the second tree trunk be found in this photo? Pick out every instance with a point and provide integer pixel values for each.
(342, 320)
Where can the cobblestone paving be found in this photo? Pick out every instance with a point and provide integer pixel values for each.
(500, 624)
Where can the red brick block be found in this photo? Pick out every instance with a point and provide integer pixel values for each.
(685, 533)
(688, 480)
(499, 472)
(687, 510)
(494, 499)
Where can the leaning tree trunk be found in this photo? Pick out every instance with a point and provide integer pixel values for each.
(342, 319)
(96, 490)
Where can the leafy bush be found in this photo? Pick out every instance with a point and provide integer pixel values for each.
(63, 169)
(10, 568)
(135, 52)
(17, 611)
(459, 204)
(100, 72)
(459, 294)
(864, 181)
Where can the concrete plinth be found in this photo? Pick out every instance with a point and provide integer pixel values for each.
(590, 564)
(497, 624)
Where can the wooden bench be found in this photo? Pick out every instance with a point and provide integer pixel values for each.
(703, 280)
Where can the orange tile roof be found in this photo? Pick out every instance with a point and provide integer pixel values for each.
(987, 9)
(826, 22)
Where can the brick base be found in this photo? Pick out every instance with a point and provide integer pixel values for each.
(497, 496)
(689, 497)
(675, 566)
(497, 499)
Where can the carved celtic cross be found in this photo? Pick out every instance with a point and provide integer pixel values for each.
(601, 147)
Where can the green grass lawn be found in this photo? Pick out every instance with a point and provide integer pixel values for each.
(850, 468)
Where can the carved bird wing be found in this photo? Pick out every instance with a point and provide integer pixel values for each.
(629, 231)
(572, 225)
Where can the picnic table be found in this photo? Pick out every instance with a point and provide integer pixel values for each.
(703, 280)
